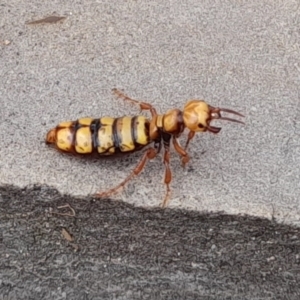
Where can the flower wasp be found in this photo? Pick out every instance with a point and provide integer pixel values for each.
(108, 136)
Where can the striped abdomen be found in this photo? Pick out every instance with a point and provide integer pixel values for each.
(104, 136)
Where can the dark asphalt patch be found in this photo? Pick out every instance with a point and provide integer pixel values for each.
(118, 251)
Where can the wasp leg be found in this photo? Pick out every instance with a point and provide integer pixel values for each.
(184, 155)
(190, 136)
(149, 154)
(168, 173)
(143, 105)
(168, 177)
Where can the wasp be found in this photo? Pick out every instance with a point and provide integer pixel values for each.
(109, 136)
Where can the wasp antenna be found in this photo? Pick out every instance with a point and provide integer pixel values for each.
(231, 111)
(232, 120)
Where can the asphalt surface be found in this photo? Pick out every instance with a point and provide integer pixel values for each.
(118, 251)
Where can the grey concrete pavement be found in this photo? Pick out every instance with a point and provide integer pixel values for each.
(235, 54)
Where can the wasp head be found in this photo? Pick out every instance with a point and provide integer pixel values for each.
(197, 116)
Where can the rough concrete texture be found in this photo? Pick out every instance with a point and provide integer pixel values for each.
(117, 251)
(242, 55)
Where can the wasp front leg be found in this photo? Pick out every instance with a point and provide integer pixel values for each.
(168, 174)
(149, 154)
(190, 137)
(184, 155)
(141, 104)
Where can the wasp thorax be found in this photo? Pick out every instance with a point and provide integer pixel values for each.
(171, 121)
(196, 115)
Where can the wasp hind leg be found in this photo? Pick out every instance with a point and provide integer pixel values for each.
(149, 154)
(142, 105)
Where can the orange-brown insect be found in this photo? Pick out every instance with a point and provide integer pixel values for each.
(109, 136)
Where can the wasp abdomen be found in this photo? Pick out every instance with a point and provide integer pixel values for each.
(104, 136)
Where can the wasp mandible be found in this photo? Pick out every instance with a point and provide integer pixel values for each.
(108, 136)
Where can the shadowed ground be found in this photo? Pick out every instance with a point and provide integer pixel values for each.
(122, 252)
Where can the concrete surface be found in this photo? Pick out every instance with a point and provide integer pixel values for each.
(123, 252)
(237, 54)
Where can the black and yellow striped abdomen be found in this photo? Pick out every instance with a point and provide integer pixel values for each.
(104, 136)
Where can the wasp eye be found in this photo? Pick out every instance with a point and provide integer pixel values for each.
(200, 125)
